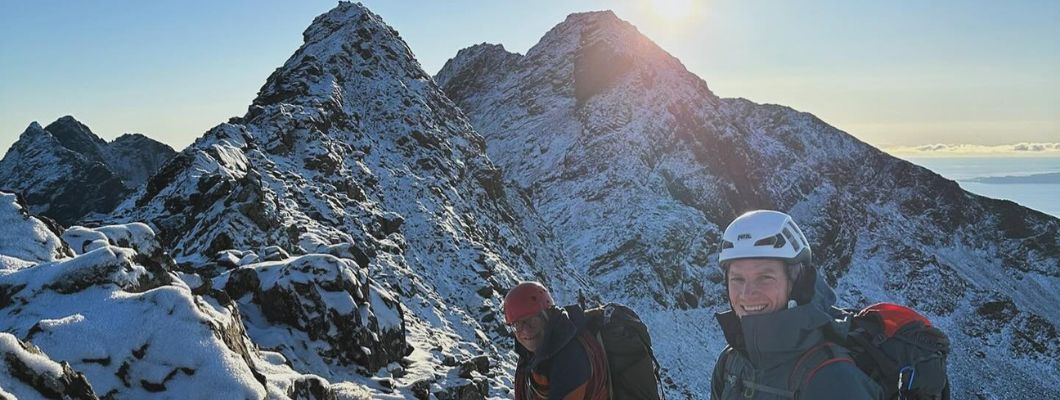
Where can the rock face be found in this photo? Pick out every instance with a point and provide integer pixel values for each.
(135, 157)
(321, 312)
(66, 172)
(639, 167)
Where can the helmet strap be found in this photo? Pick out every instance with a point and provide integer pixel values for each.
(802, 290)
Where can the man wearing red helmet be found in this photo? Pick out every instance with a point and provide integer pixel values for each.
(558, 357)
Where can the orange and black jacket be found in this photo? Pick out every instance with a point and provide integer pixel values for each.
(570, 365)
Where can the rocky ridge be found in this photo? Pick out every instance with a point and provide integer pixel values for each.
(67, 173)
(349, 237)
(350, 149)
(640, 166)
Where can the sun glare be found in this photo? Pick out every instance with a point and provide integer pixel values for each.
(673, 10)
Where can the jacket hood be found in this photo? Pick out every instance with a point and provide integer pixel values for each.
(771, 339)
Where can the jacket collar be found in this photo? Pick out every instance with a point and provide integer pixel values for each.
(775, 338)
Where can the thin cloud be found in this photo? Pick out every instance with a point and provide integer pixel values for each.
(943, 149)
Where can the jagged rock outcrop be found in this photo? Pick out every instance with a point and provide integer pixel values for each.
(320, 311)
(638, 166)
(66, 172)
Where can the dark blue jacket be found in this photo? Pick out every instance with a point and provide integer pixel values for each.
(769, 356)
(562, 368)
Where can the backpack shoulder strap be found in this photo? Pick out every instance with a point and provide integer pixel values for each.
(812, 361)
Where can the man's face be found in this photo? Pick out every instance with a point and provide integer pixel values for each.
(758, 286)
(530, 331)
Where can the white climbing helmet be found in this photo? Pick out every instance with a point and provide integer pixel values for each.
(764, 234)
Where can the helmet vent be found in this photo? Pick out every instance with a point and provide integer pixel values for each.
(791, 238)
(725, 244)
(776, 241)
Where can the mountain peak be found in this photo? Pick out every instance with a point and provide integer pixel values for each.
(473, 64)
(75, 136)
(34, 130)
(345, 46)
(602, 16)
(586, 29)
(586, 55)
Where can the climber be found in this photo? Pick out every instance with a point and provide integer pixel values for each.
(779, 318)
(558, 357)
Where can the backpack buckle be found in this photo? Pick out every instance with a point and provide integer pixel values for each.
(879, 339)
(906, 375)
(748, 392)
(608, 311)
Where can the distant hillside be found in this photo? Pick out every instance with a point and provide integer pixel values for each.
(1047, 178)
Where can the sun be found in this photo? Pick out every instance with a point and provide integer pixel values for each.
(673, 10)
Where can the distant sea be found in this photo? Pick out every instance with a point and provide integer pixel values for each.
(1044, 197)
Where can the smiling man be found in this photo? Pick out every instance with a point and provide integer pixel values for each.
(558, 358)
(780, 320)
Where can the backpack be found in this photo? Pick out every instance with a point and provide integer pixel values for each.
(633, 371)
(895, 346)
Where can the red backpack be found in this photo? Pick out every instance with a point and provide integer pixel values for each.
(895, 346)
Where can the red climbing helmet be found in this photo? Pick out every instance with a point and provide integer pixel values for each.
(526, 299)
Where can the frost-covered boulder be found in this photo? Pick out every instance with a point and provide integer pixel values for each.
(119, 317)
(130, 331)
(29, 373)
(322, 312)
(25, 240)
(136, 236)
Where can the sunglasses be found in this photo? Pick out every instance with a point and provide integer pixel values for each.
(526, 323)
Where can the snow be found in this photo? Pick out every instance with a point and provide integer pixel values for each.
(636, 180)
(354, 215)
(80, 327)
(82, 240)
(386, 316)
(25, 238)
(12, 385)
(39, 363)
(136, 235)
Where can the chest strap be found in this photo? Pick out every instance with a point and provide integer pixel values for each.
(750, 387)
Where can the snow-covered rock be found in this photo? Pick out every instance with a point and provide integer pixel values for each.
(638, 166)
(29, 373)
(110, 319)
(131, 331)
(66, 172)
(321, 312)
(25, 240)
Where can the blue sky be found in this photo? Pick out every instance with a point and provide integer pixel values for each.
(900, 73)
